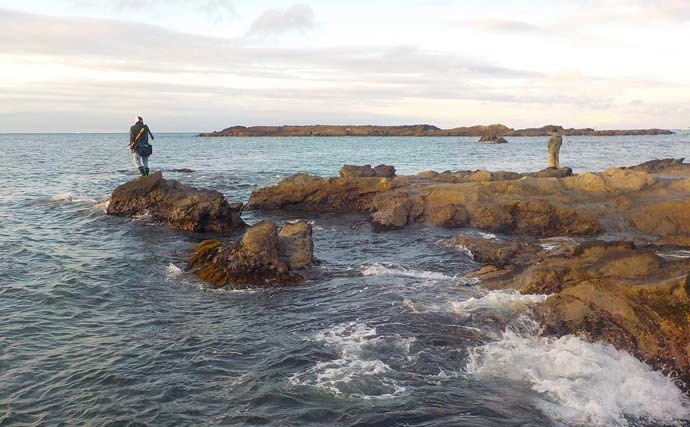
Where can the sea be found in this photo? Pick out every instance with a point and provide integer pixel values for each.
(102, 325)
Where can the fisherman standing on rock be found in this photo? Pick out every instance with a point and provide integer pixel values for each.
(554, 147)
(139, 145)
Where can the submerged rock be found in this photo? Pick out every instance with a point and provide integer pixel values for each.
(176, 205)
(263, 257)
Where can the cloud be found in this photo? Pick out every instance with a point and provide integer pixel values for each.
(218, 9)
(107, 45)
(504, 25)
(632, 12)
(102, 69)
(273, 21)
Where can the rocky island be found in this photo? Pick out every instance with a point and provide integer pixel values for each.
(498, 130)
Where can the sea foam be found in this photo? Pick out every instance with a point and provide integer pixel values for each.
(357, 371)
(504, 302)
(392, 270)
(581, 383)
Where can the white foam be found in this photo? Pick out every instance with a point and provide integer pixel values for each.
(102, 205)
(549, 247)
(383, 270)
(313, 224)
(357, 372)
(677, 254)
(505, 302)
(553, 243)
(172, 270)
(464, 249)
(487, 236)
(581, 383)
(70, 197)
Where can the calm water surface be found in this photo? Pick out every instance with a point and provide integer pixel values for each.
(99, 325)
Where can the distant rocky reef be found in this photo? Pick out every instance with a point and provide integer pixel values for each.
(498, 130)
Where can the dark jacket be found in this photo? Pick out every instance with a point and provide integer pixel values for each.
(134, 131)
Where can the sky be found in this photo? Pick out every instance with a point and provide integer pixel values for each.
(202, 65)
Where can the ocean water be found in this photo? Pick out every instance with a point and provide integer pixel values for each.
(101, 325)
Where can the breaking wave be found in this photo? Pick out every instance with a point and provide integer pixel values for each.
(503, 302)
(581, 383)
(392, 270)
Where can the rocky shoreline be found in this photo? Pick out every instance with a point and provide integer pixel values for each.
(498, 130)
(604, 246)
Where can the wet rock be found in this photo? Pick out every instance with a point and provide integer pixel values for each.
(396, 210)
(366, 171)
(615, 292)
(492, 139)
(552, 173)
(658, 166)
(533, 217)
(322, 195)
(552, 202)
(182, 170)
(176, 205)
(649, 320)
(352, 171)
(494, 252)
(300, 179)
(385, 171)
(446, 215)
(296, 246)
(262, 258)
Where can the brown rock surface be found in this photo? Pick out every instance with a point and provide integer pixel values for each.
(547, 203)
(295, 244)
(494, 252)
(263, 257)
(176, 205)
(385, 171)
(352, 171)
(492, 139)
(366, 171)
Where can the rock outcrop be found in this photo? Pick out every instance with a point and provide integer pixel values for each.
(295, 245)
(366, 171)
(417, 130)
(176, 205)
(263, 257)
(492, 139)
(494, 252)
(616, 292)
(552, 202)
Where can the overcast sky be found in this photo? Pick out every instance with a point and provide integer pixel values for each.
(196, 65)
